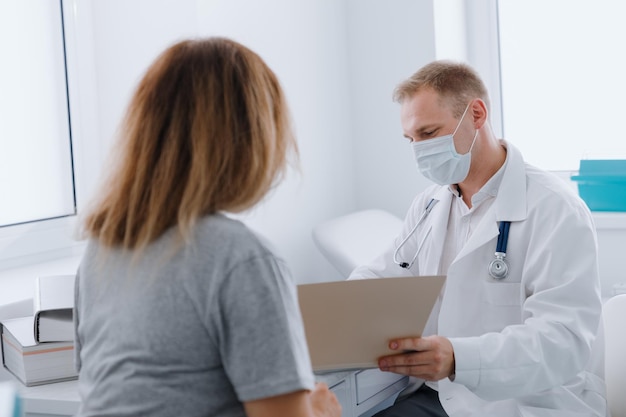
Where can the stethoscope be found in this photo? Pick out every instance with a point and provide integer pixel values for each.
(498, 268)
(426, 212)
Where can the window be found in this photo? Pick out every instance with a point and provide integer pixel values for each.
(562, 77)
(555, 71)
(36, 172)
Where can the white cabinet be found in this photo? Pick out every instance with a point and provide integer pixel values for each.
(364, 393)
(372, 382)
(342, 390)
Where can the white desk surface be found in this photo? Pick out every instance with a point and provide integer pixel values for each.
(59, 398)
(62, 398)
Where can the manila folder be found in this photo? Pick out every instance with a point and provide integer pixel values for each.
(348, 324)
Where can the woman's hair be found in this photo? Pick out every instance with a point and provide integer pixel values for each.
(207, 130)
(455, 82)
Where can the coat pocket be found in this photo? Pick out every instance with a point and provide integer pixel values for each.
(502, 305)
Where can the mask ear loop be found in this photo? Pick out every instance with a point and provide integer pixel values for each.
(461, 119)
(459, 125)
(473, 142)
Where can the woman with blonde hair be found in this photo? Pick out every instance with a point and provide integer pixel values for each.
(181, 310)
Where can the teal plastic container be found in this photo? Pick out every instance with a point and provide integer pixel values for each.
(602, 184)
(18, 410)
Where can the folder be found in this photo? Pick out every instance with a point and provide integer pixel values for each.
(348, 324)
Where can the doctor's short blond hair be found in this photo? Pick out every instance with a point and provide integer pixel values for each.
(456, 82)
(206, 131)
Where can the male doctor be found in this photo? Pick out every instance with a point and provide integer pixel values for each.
(515, 335)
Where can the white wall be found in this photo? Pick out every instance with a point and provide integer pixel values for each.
(338, 62)
(305, 42)
(388, 42)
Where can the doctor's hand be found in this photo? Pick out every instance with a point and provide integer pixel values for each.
(430, 358)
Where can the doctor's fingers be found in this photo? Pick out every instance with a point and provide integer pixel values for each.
(411, 344)
(418, 364)
(420, 344)
(435, 352)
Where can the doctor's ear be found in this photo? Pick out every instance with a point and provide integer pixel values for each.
(479, 113)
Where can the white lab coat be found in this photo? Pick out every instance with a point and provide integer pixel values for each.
(523, 345)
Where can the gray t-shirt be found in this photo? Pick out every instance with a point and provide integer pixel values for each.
(192, 331)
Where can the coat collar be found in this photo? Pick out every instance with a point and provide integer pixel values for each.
(510, 204)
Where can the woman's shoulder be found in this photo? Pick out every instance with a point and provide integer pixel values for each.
(230, 235)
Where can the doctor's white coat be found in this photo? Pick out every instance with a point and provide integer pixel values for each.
(530, 344)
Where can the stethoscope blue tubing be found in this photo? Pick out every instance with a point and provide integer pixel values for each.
(503, 238)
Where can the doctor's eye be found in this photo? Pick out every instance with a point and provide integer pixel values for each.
(426, 135)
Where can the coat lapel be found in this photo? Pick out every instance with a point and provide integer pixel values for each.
(438, 225)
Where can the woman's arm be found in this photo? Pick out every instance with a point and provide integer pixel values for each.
(320, 402)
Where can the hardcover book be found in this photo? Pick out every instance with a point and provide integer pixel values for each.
(53, 303)
(31, 362)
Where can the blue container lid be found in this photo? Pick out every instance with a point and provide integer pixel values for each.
(601, 170)
(604, 167)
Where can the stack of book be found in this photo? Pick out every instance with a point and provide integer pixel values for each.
(39, 349)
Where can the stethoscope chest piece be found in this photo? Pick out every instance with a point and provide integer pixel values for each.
(498, 268)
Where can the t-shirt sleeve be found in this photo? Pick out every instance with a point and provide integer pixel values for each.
(260, 334)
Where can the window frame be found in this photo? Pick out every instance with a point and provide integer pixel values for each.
(48, 239)
(475, 41)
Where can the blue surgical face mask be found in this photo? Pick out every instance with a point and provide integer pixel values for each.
(439, 161)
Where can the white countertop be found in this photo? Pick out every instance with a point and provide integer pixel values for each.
(58, 398)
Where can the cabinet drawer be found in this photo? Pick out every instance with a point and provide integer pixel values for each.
(372, 381)
(342, 391)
